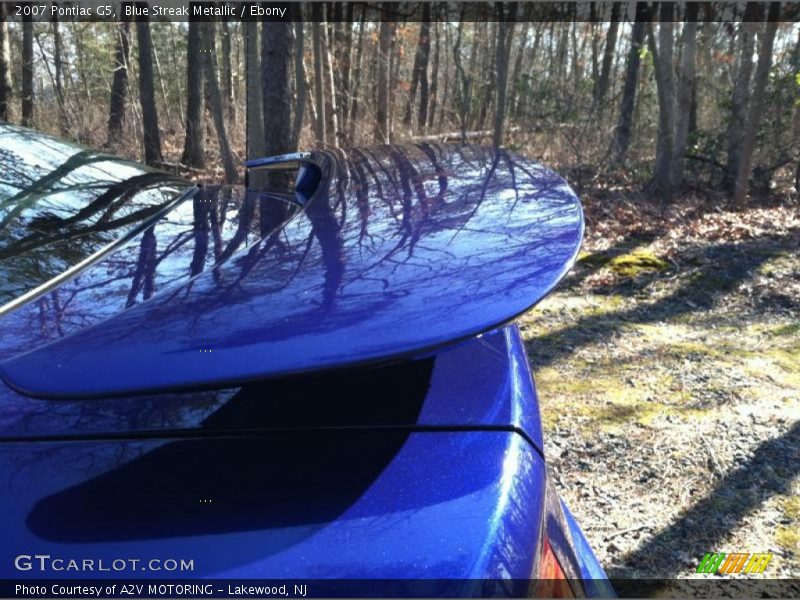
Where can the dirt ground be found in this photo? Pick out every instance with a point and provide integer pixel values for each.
(668, 367)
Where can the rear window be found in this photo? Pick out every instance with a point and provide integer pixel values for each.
(60, 204)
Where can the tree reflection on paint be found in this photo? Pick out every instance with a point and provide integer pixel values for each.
(60, 204)
(401, 248)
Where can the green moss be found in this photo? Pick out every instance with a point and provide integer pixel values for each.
(594, 259)
(788, 329)
(637, 262)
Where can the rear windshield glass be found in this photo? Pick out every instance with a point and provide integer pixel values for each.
(60, 203)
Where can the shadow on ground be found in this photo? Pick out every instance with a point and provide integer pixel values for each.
(704, 525)
(720, 269)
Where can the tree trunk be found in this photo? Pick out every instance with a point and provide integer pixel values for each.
(505, 34)
(217, 106)
(276, 60)
(356, 87)
(300, 79)
(255, 106)
(227, 71)
(147, 96)
(5, 65)
(756, 105)
(740, 100)
(27, 71)
(796, 134)
(662, 62)
(608, 56)
(420, 61)
(423, 72)
(319, 76)
(529, 59)
(396, 53)
(463, 85)
(385, 35)
(490, 68)
(595, 47)
(331, 120)
(193, 146)
(58, 67)
(447, 75)
(119, 86)
(622, 134)
(434, 91)
(517, 70)
(159, 73)
(686, 86)
(346, 68)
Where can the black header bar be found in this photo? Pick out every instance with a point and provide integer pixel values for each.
(530, 11)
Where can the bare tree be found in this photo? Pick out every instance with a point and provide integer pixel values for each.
(601, 89)
(58, 67)
(256, 145)
(741, 98)
(662, 62)
(434, 91)
(331, 117)
(420, 69)
(505, 34)
(27, 71)
(489, 56)
(686, 85)
(622, 133)
(356, 87)
(463, 84)
(319, 76)
(217, 106)
(193, 146)
(276, 60)
(756, 101)
(300, 77)
(5, 65)
(385, 35)
(119, 85)
(147, 96)
(226, 72)
(346, 68)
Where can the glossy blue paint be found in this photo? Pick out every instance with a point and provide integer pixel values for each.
(482, 382)
(458, 494)
(401, 250)
(336, 504)
(427, 467)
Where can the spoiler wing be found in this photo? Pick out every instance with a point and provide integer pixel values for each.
(394, 252)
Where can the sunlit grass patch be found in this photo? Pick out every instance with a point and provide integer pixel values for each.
(788, 535)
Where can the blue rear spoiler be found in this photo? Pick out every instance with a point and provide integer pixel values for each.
(307, 173)
(396, 251)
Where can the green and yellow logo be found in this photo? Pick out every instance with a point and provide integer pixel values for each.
(735, 562)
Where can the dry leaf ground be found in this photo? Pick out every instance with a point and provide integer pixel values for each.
(668, 366)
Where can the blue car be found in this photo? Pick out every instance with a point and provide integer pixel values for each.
(311, 380)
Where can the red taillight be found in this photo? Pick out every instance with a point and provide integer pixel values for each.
(550, 579)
